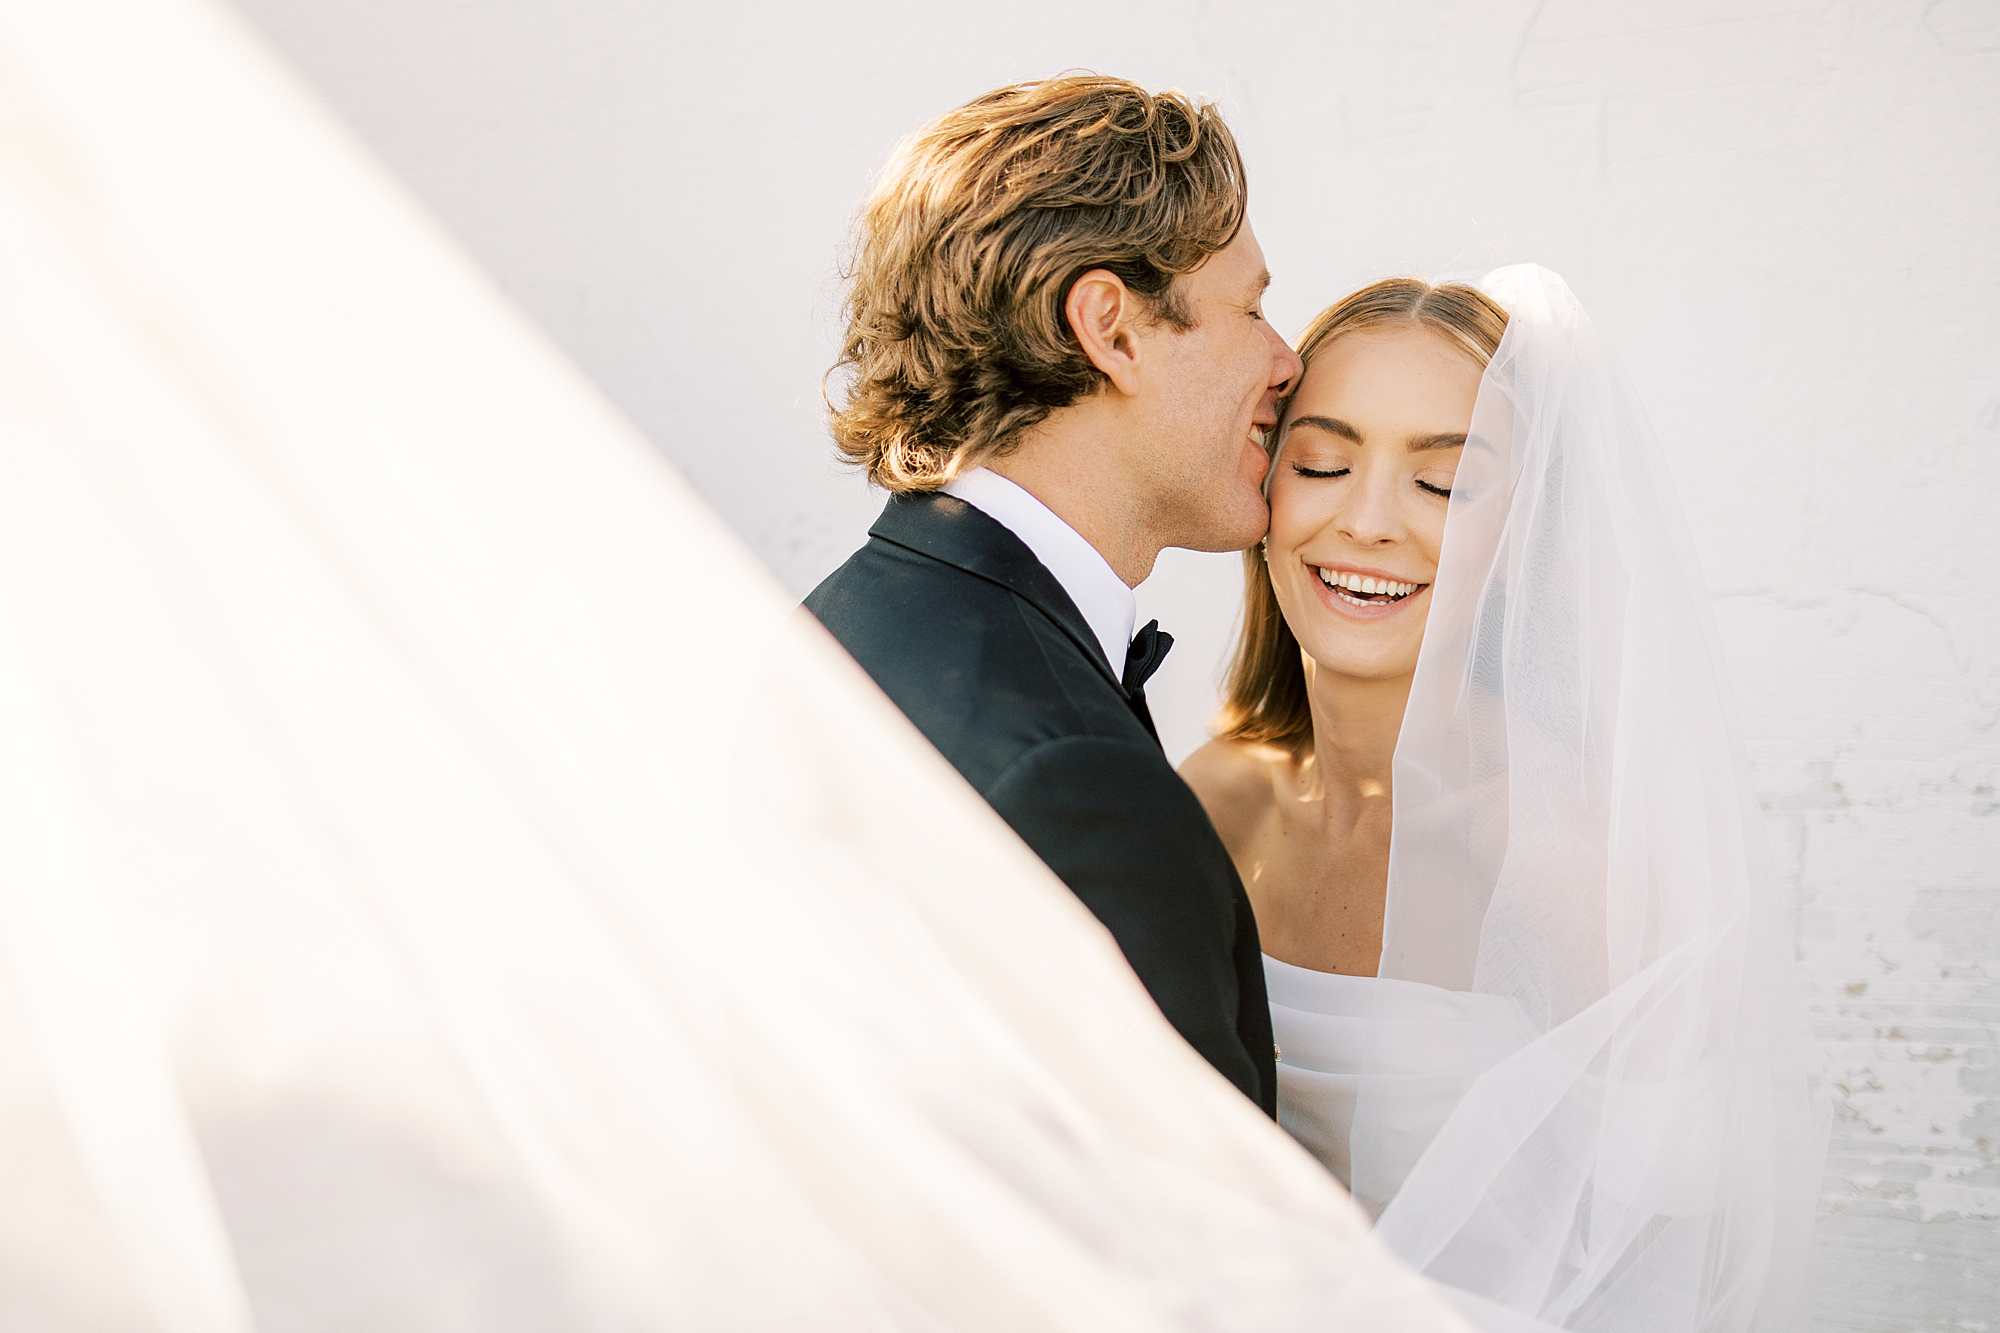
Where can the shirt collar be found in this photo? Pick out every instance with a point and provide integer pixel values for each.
(1108, 606)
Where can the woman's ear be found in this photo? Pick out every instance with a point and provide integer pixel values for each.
(1105, 316)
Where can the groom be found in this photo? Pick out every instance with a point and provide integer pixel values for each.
(1058, 365)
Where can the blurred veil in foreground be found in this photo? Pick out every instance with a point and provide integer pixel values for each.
(441, 885)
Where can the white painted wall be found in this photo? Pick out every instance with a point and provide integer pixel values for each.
(1784, 213)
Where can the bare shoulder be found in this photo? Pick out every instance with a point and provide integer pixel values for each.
(1232, 780)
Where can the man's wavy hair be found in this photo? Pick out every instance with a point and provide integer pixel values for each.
(956, 338)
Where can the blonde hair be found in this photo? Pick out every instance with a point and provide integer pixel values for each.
(1264, 695)
(956, 339)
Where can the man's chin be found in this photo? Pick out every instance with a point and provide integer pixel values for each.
(1235, 532)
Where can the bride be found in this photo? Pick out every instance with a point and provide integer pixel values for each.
(1476, 767)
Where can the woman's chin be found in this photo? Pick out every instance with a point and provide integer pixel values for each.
(1363, 643)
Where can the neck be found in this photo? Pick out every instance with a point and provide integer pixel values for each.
(1075, 463)
(1355, 726)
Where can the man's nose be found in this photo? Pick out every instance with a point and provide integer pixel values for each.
(1286, 366)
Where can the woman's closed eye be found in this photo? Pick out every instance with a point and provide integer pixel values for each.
(1305, 471)
(1444, 491)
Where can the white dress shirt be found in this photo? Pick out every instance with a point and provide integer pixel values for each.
(1108, 606)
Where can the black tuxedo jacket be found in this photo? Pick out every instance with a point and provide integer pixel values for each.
(976, 641)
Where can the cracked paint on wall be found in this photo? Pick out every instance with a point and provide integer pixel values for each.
(1887, 834)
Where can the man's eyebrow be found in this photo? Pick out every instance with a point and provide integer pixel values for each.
(1418, 443)
(1262, 283)
(1334, 426)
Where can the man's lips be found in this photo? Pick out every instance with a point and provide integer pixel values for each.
(1251, 442)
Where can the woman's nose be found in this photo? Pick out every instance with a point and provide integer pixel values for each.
(1370, 517)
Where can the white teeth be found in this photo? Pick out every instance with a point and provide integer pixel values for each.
(1358, 583)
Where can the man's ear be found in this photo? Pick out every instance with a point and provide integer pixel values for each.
(1106, 317)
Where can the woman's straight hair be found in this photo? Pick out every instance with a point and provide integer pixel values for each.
(1264, 696)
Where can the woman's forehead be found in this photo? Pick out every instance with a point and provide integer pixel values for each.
(1378, 389)
(1374, 362)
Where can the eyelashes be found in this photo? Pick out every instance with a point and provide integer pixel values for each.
(1442, 492)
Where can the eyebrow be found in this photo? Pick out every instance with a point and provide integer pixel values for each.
(1262, 284)
(1446, 441)
(1415, 444)
(1331, 425)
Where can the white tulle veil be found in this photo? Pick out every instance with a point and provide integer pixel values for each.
(441, 886)
(1574, 833)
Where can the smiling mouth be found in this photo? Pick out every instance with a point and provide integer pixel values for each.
(1361, 590)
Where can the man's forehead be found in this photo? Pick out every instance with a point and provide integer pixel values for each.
(1238, 266)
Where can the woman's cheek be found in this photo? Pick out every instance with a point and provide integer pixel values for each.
(1430, 532)
(1290, 521)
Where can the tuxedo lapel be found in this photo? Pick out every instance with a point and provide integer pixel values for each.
(946, 528)
(982, 648)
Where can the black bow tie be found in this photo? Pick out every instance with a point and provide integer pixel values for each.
(1143, 658)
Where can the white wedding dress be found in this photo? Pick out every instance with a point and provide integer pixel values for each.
(1371, 1068)
(1577, 1094)
(443, 887)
